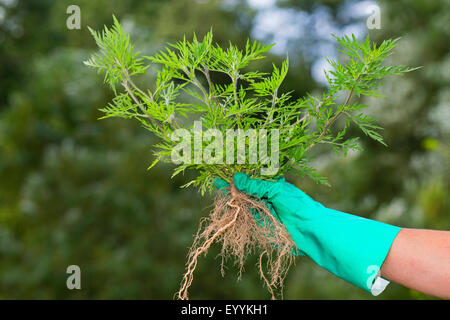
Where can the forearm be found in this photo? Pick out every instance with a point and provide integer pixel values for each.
(420, 260)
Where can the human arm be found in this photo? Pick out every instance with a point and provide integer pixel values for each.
(420, 259)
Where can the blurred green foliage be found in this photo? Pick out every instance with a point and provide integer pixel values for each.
(75, 190)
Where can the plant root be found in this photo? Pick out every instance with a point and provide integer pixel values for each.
(243, 225)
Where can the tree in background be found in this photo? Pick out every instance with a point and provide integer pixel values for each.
(69, 194)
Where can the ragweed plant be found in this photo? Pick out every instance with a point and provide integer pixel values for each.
(185, 95)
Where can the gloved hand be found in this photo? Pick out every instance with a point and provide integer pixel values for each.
(351, 247)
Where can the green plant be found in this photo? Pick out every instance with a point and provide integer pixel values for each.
(185, 90)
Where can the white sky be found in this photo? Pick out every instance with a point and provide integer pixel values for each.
(282, 25)
(261, 4)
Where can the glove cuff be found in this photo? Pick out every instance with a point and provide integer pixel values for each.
(350, 247)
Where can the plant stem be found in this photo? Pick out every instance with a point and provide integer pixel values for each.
(272, 107)
(193, 79)
(337, 115)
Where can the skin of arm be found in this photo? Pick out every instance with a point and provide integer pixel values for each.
(420, 259)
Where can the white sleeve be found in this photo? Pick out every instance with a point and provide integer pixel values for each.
(379, 285)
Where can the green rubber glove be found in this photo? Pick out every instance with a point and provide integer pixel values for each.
(350, 247)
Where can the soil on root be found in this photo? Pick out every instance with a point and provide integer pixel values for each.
(243, 225)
